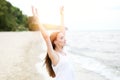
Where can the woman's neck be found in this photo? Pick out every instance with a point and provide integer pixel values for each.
(60, 51)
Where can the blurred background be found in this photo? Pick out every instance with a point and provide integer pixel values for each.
(93, 37)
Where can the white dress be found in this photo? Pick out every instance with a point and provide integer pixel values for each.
(64, 69)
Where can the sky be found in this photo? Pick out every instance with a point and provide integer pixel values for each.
(78, 14)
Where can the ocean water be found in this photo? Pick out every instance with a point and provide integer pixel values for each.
(97, 51)
(100, 41)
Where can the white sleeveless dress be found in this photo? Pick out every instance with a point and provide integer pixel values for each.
(64, 69)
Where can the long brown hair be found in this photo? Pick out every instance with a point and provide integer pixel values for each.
(48, 61)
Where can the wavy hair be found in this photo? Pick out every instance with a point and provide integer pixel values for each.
(48, 61)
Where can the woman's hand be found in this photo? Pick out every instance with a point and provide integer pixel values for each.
(35, 15)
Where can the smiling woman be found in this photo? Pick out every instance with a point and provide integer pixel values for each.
(57, 63)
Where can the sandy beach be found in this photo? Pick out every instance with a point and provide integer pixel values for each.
(22, 58)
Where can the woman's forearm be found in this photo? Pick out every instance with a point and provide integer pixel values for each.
(43, 31)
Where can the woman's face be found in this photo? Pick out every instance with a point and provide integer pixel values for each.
(61, 41)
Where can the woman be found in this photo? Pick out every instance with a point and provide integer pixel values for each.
(57, 63)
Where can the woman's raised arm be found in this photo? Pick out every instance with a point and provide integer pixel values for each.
(50, 51)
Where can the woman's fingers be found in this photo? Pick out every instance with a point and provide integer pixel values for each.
(34, 11)
(62, 10)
